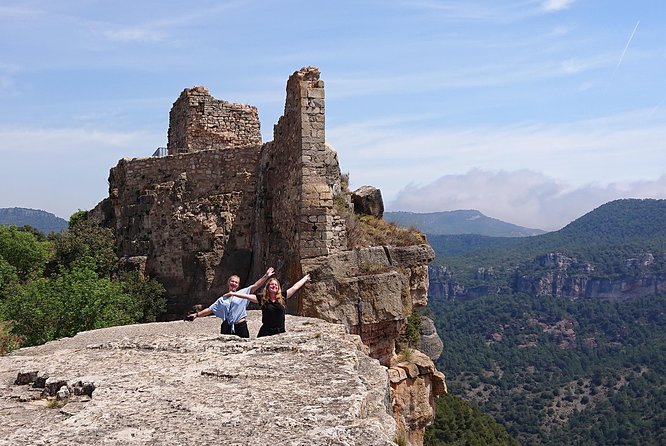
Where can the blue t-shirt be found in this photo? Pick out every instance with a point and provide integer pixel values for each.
(232, 309)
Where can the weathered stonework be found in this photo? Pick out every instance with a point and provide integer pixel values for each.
(189, 216)
(221, 203)
(198, 121)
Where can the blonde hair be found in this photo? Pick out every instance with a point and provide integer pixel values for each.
(278, 296)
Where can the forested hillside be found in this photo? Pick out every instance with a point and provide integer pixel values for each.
(41, 220)
(555, 370)
(605, 237)
(558, 372)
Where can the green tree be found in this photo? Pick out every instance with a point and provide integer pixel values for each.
(74, 300)
(85, 239)
(23, 252)
(147, 295)
(459, 423)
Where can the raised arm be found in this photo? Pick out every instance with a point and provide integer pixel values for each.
(255, 286)
(295, 287)
(250, 297)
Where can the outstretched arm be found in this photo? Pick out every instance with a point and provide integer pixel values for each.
(202, 313)
(250, 297)
(255, 286)
(295, 287)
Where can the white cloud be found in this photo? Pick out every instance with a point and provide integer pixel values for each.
(68, 141)
(521, 197)
(63, 170)
(17, 12)
(480, 10)
(134, 34)
(556, 5)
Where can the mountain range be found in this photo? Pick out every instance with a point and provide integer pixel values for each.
(38, 219)
(459, 222)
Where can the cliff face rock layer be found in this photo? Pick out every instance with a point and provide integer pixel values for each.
(181, 383)
(223, 203)
(555, 275)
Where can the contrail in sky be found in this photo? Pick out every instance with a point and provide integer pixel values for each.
(627, 45)
(624, 52)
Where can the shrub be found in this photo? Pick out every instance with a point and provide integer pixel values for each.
(8, 340)
(411, 334)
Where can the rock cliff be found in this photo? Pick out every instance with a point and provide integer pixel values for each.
(555, 275)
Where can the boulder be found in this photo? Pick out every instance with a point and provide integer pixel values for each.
(368, 201)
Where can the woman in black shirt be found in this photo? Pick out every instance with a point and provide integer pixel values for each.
(273, 308)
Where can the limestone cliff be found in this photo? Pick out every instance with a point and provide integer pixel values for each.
(555, 275)
(222, 203)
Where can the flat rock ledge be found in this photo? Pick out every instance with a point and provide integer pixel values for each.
(177, 383)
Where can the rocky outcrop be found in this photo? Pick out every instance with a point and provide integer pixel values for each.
(369, 290)
(368, 201)
(414, 382)
(443, 286)
(430, 343)
(555, 275)
(182, 383)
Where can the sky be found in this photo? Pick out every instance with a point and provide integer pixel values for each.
(531, 111)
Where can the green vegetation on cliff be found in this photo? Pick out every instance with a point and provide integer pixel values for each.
(556, 371)
(458, 422)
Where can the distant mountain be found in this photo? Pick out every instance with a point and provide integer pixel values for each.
(459, 222)
(626, 226)
(41, 220)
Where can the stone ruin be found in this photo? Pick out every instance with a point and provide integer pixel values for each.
(222, 202)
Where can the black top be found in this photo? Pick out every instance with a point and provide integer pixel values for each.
(272, 314)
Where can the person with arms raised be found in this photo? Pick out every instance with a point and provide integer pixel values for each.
(232, 308)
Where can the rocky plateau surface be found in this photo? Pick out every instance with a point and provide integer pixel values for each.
(182, 383)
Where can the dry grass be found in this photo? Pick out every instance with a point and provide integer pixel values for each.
(54, 403)
(379, 232)
(365, 230)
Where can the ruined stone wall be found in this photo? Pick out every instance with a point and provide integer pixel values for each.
(198, 121)
(298, 177)
(187, 218)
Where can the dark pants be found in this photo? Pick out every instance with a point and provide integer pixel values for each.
(265, 331)
(240, 329)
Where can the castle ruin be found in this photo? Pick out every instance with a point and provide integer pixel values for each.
(222, 202)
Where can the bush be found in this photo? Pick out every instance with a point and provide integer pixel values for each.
(8, 340)
(23, 252)
(148, 296)
(75, 300)
(411, 334)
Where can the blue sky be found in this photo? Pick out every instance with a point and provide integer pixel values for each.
(531, 111)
